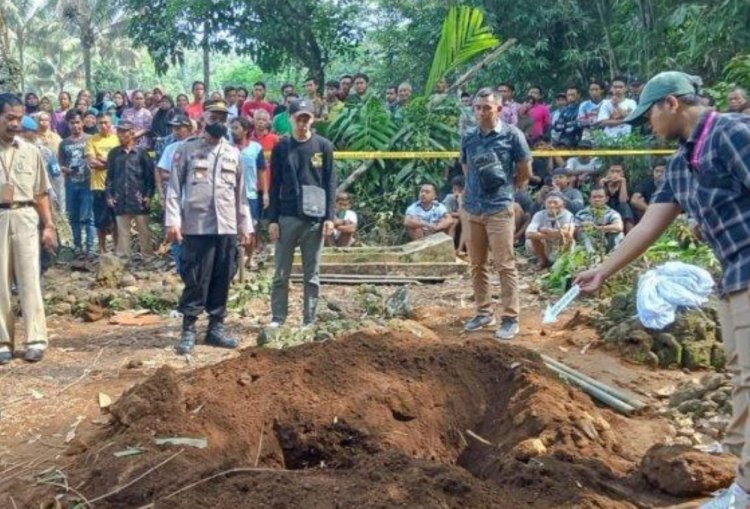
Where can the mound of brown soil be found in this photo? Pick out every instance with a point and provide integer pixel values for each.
(380, 419)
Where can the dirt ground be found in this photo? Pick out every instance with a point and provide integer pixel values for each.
(417, 415)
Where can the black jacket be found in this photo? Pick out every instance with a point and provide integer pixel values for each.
(130, 179)
(294, 164)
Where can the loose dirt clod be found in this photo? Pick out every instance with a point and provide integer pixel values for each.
(376, 419)
(684, 472)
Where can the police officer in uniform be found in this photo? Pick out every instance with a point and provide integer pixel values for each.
(206, 211)
(24, 203)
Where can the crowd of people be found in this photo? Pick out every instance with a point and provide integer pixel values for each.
(594, 208)
(103, 163)
(110, 156)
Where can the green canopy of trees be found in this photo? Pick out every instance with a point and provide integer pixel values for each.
(75, 43)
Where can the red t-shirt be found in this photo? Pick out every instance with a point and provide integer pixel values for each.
(250, 106)
(540, 115)
(267, 141)
(194, 110)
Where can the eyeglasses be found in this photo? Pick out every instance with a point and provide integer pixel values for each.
(482, 107)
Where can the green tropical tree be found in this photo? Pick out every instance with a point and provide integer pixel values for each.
(169, 29)
(21, 18)
(10, 70)
(424, 124)
(59, 65)
(91, 21)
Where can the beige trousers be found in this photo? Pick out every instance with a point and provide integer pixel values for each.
(495, 233)
(123, 234)
(734, 315)
(19, 262)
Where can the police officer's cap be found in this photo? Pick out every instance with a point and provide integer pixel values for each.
(218, 106)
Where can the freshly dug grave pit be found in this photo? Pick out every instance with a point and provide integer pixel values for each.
(378, 419)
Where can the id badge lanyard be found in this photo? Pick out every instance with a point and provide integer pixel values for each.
(695, 156)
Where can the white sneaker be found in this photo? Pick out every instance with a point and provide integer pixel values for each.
(733, 497)
(274, 325)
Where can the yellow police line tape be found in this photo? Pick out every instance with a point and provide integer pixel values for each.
(453, 155)
(534, 153)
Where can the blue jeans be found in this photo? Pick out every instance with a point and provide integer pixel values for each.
(255, 209)
(78, 202)
(175, 251)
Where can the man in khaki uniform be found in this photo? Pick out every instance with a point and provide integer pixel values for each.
(23, 203)
(206, 211)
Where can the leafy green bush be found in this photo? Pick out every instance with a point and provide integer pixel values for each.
(676, 244)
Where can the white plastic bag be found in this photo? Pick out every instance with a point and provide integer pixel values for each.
(665, 288)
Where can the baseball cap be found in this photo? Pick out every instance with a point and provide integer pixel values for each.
(29, 124)
(660, 86)
(125, 125)
(180, 120)
(301, 106)
(559, 171)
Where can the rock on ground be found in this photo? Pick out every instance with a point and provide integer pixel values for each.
(684, 472)
(110, 271)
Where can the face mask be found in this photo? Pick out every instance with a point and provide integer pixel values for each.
(217, 130)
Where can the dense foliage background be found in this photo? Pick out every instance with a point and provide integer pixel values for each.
(123, 43)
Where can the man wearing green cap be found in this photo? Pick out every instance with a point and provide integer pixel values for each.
(709, 178)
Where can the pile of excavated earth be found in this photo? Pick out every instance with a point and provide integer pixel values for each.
(379, 418)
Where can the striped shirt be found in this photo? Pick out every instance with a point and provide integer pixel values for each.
(717, 192)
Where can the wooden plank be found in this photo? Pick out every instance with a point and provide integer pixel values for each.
(359, 281)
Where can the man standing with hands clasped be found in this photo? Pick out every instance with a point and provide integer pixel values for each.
(24, 203)
(129, 187)
(207, 213)
(495, 158)
(709, 178)
(302, 208)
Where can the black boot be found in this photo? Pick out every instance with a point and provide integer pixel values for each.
(187, 339)
(217, 335)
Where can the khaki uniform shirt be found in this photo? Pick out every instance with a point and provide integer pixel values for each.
(206, 193)
(26, 171)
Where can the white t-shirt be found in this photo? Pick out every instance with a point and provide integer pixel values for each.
(542, 219)
(626, 106)
(575, 165)
(350, 217)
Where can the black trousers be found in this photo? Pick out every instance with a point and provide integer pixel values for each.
(208, 264)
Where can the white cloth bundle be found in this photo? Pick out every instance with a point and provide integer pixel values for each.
(665, 288)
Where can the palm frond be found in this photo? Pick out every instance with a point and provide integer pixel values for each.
(464, 36)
